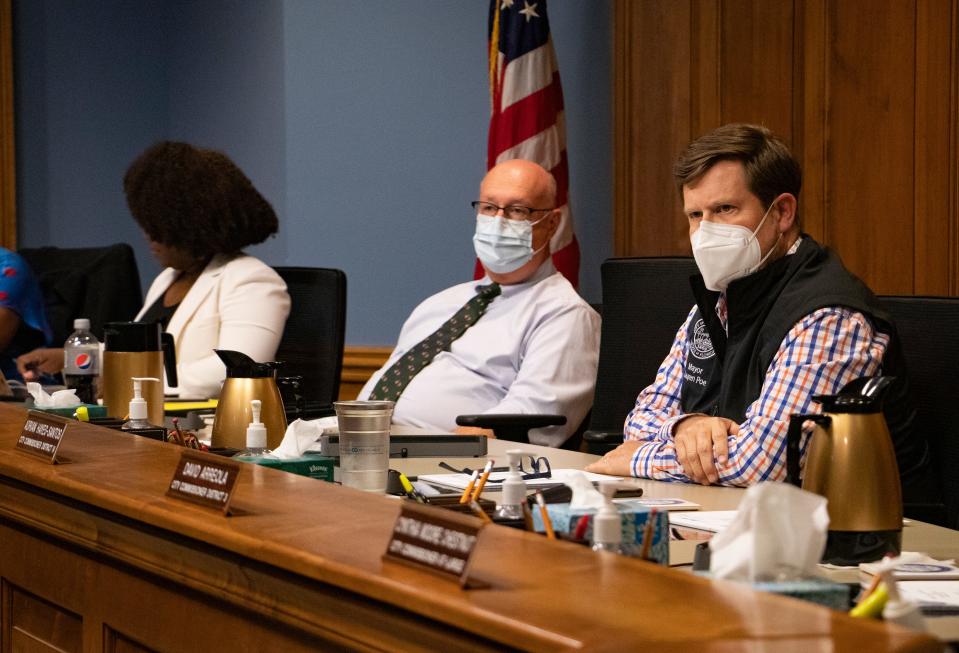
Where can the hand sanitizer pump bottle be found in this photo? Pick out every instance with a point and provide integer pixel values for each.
(510, 508)
(607, 525)
(255, 435)
(138, 406)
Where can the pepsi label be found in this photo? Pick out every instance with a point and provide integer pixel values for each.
(82, 361)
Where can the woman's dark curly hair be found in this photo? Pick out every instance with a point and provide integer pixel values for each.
(196, 200)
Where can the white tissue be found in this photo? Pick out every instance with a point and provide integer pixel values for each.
(59, 399)
(779, 533)
(584, 494)
(301, 436)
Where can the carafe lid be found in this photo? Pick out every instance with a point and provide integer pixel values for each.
(862, 395)
(241, 366)
(131, 336)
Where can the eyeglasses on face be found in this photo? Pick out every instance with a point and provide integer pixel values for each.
(512, 212)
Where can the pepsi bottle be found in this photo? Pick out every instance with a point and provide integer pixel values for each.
(81, 369)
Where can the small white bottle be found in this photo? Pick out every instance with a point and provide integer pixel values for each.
(255, 435)
(138, 406)
(607, 525)
(510, 507)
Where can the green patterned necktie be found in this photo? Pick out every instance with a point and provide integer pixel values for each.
(394, 380)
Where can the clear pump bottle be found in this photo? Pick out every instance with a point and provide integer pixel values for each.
(607, 525)
(510, 507)
(255, 436)
(138, 406)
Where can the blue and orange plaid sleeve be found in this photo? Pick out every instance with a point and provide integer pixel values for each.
(819, 355)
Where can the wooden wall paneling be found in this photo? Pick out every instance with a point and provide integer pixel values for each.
(8, 186)
(935, 233)
(954, 149)
(622, 125)
(757, 64)
(652, 115)
(707, 84)
(870, 155)
(810, 102)
(359, 364)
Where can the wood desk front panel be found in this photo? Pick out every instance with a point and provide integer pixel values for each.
(299, 568)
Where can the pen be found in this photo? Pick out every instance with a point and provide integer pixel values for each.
(410, 490)
(469, 487)
(479, 512)
(648, 535)
(547, 522)
(482, 483)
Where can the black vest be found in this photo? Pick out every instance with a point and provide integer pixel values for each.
(724, 374)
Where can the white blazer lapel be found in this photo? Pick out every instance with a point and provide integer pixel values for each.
(195, 297)
(157, 288)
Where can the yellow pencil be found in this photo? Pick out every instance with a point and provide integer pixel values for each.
(479, 512)
(482, 483)
(469, 487)
(547, 522)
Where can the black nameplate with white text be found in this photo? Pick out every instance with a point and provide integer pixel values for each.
(204, 479)
(42, 434)
(440, 541)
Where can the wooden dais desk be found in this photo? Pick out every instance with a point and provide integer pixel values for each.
(94, 557)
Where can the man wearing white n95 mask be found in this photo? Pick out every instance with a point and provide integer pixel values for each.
(520, 340)
(778, 320)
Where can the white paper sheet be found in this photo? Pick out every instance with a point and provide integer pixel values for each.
(932, 596)
(460, 481)
(712, 521)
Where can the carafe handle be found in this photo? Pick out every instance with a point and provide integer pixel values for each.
(793, 439)
(168, 345)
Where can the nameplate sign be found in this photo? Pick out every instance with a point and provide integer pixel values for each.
(42, 434)
(438, 540)
(204, 479)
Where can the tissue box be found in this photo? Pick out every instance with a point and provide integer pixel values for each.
(837, 596)
(633, 518)
(817, 590)
(319, 467)
(95, 411)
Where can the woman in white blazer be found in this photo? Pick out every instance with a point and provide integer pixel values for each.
(198, 211)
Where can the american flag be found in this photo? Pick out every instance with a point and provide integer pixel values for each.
(527, 120)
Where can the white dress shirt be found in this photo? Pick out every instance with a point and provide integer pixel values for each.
(534, 350)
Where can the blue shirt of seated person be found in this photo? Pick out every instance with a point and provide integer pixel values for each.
(23, 320)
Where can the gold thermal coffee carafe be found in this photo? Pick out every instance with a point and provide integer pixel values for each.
(247, 380)
(136, 349)
(850, 460)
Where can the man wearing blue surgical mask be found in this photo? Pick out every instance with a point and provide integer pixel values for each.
(778, 320)
(520, 340)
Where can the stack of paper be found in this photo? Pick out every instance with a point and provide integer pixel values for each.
(659, 503)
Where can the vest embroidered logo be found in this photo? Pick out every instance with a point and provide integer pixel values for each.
(701, 345)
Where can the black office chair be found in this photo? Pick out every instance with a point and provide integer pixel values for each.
(312, 343)
(99, 283)
(927, 329)
(645, 300)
